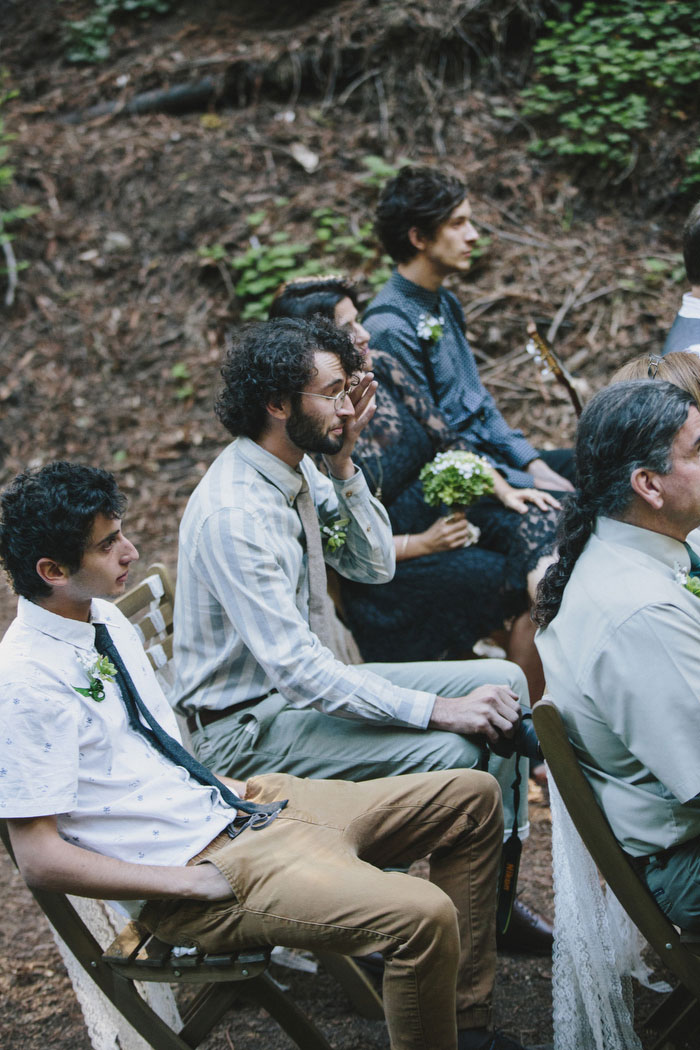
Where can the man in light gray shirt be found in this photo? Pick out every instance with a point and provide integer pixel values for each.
(620, 629)
(258, 688)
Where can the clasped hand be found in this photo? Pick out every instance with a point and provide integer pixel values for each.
(492, 711)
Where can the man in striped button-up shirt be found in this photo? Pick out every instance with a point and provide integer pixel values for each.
(259, 690)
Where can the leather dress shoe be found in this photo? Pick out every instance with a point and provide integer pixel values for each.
(528, 932)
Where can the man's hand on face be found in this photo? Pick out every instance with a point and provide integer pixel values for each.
(362, 399)
(491, 710)
(545, 478)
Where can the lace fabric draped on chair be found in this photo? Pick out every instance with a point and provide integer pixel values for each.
(597, 949)
(107, 1028)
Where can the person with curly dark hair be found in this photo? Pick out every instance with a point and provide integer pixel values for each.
(424, 220)
(620, 629)
(259, 687)
(63, 500)
(273, 362)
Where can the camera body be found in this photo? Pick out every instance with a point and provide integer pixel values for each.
(523, 742)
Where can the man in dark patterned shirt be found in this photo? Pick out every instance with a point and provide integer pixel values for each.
(684, 334)
(424, 222)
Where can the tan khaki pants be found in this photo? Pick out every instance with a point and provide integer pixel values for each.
(314, 879)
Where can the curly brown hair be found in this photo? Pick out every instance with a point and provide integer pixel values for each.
(271, 360)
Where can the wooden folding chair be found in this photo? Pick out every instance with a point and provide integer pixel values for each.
(149, 606)
(137, 956)
(679, 952)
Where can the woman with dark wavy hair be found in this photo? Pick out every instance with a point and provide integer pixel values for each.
(444, 595)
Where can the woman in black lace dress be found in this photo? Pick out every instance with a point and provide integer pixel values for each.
(444, 596)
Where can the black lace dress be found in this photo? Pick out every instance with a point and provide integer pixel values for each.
(438, 604)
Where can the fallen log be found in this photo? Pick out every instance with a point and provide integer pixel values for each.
(181, 98)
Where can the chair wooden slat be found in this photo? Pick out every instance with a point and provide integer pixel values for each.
(125, 946)
(156, 622)
(153, 954)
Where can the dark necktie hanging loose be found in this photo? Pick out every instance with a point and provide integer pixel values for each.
(259, 814)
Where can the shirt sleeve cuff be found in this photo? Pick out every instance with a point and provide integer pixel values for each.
(522, 452)
(416, 708)
(519, 479)
(353, 488)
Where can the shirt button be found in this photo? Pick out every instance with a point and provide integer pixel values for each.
(349, 492)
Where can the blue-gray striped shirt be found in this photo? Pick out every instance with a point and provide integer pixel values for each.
(241, 606)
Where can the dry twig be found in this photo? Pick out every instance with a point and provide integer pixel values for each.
(11, 269)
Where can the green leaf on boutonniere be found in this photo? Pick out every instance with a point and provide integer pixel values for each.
(333, 534)
(693, 585)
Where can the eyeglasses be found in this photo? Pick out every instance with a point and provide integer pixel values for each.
(337, 399)
(654, 362)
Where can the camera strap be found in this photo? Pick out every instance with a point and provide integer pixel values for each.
(510, 861)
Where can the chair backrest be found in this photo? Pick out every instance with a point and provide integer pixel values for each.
(612, 862)
(149, 606)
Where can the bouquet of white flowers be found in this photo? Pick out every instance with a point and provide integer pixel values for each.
(456, 479)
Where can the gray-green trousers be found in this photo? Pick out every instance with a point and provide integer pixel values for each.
(275, 736)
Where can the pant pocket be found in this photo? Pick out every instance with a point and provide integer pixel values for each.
(207, 925)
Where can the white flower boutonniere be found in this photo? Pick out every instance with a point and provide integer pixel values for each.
(99, 670)
(333, 534)
(689, 582)
(430, 328)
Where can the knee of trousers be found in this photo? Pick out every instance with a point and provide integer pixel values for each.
(431, 924)
(505, 672)
(481, 794)
(491, 800)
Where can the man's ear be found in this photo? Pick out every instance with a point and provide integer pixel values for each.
(648, 485)
(51, 572)
(280, 409)
(417, 239)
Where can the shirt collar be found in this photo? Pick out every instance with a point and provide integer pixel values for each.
(63, 629)
(690, 307)
(272, 468)
(418, 295)
(655, 545)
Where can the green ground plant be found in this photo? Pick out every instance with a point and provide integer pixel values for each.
(380, 170)
(266, 264)
(608, 73)
(180, 374)
(87, 39)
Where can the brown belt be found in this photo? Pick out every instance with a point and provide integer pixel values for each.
(661, 855)
(206, 716)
